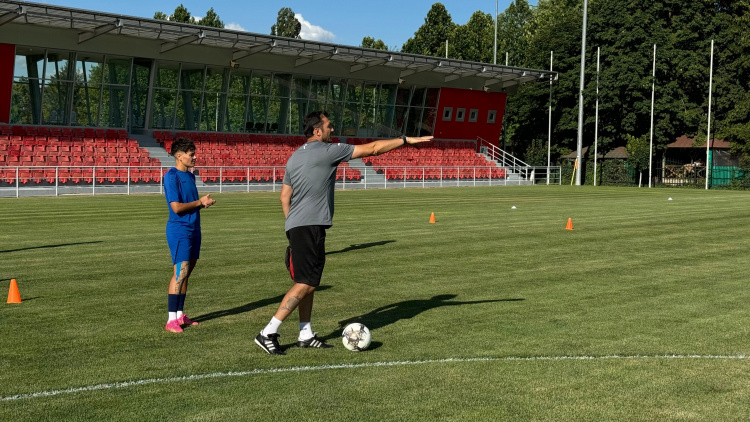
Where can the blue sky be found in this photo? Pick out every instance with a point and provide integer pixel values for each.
(337, 21)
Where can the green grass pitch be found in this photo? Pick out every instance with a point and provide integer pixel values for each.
(639, 313)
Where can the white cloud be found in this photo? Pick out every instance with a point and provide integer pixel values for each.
(234, 27)
(313, 32)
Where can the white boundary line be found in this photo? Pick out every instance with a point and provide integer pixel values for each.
(125, 384)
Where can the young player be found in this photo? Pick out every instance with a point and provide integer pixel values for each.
(307, 202)
(183, 228)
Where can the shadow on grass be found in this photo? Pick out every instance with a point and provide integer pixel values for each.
(389, 314)
(361, 246)
(276, 300)
(49, 246)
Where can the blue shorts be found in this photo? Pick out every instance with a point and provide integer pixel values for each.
(184, 248)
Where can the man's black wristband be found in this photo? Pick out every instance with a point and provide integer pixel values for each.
(404, 138)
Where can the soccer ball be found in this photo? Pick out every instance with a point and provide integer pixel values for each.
(356, 337)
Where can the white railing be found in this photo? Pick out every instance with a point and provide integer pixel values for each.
(95, 180)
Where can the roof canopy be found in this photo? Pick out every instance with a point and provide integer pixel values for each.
(164, 37)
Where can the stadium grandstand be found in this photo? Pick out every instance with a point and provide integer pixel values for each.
(91, 102)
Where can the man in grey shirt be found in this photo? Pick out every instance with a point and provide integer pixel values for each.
(307, 202)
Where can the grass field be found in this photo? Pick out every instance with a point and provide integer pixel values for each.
(642, 312)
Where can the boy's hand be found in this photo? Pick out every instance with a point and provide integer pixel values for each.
(206, 201)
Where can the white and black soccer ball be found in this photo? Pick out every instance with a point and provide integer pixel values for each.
(356, 337)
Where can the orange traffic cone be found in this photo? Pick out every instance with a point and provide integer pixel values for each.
(13, 295)
(432, 218)
(570, 225)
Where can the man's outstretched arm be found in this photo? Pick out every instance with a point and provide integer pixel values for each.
(384, 145)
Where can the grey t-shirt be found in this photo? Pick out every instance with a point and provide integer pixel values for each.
(311, 172)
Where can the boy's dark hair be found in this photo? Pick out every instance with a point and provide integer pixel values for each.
(312, 121)
(182, 145)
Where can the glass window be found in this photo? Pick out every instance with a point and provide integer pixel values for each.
(235, 114)
(402, 96)
(318, 94)
(281, 85)
(54, 99)
(370, 93)
(261, 83)
(89, 68)
(210, 114)
(188, 110)
(85, 110)
(417, 99)
(302, 87)
(239, 82)
(215, 79)
(447, 114)
(428, 122)
(431, 99)
(113, 108)
(413, 122)
(29, 62)
(257, 113)
(167, 74)
(58, 65)
(338, 89)
(354, 92)
(117, 71)
(388, 94)
(22, 109)
(163, 108)
(191, 77)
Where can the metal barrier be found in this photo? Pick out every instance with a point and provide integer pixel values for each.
(126, 180)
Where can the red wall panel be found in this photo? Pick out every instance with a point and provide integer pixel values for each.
(7, 61)
(469, 100)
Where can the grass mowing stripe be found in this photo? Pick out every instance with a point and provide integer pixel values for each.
(125, 384)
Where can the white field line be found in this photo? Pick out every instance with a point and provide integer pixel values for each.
(125, 384)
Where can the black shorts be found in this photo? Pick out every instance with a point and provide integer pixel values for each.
(306, 254)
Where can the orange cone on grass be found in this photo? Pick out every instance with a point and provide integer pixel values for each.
(13, 295)
(432, 218)
(570, 225)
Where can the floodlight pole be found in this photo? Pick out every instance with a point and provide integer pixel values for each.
(549, 130)
(651, 141)
(596, 119)
(580, 96)
(494, 61)
(708, 131)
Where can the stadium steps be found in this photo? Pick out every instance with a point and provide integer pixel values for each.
(510, 175)
(372, 177)
(156, 150)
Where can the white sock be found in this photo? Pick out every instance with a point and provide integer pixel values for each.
(272, 327)
(179, 314)
(305, 331)
(172, 316)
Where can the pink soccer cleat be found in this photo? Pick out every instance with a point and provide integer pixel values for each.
(173, 326)
(184, 320)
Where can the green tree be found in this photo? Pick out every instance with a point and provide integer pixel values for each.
(211, 19)
(160, 16)
(513, 27)
(370, 42)
(474, 40)
(182, 15)
(732, 74)
(638, 152)
(429, 40)
(286, 24)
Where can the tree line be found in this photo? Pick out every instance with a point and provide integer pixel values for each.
(625, 33)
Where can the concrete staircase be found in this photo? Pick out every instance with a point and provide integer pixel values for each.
(156, 150)
(374, 179)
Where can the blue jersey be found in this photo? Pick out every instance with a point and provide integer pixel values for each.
(179, 186)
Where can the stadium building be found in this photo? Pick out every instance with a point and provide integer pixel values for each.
(71, 73)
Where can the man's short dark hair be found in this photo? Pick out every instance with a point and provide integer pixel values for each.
(312, 121)
(182, 145)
